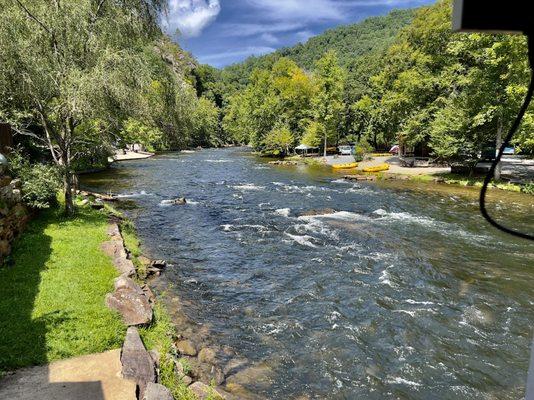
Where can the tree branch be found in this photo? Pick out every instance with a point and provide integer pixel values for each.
(33, 17)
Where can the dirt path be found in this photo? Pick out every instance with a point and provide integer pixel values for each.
(92, 377)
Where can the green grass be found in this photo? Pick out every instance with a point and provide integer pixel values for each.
(53, 290)
(455, 179)
(159, 336)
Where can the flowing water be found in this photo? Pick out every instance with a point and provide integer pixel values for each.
(402, 293)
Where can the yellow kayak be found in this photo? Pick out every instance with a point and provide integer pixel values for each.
(378, 168)
(345, 166)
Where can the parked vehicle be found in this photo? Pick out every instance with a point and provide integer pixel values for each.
(509, 151)
(346, 150)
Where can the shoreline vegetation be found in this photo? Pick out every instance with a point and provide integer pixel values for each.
(441, 178)
(54, 307)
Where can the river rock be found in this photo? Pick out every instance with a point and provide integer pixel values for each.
(124, 282)
(97, 206)
(159, 264)
(234, 365)
(207, 355)
(186, 347)
(137, 364)
(149, 293)
(282, 162)
(155, 391)
(203, 391)
(131, 302)
(360, 177)
(313, 213)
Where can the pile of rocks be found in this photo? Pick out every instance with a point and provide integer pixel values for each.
(283, 162)
(14, 215)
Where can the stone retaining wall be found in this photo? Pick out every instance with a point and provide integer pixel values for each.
(14, 215)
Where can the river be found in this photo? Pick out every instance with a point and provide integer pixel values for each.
(402, 293)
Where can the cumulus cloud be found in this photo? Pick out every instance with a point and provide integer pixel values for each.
(223, 58)
(310, 10)
(190, 17)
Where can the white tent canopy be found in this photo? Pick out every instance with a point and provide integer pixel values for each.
(304, 147)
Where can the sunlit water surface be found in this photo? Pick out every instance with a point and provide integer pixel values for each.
(403, 293)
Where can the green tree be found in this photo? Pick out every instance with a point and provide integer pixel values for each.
(314, 134)
(65, 62)
(279, 140)
(328, 102)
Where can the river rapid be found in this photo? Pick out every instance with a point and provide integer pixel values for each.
(401, 293)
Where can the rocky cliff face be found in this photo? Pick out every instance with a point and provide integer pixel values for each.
(14, 214)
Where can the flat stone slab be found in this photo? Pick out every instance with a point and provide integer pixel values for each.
(137, 364)
(131, 302)
(92, 377)
(155, 391)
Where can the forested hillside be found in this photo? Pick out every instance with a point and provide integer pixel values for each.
(351, 43)
(416, 83)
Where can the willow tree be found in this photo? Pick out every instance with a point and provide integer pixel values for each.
(63, 63)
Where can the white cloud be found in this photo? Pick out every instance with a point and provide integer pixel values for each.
(309, 10)
(224, 57)
(248, 29)
(269, 38)
(190, 17)
(303, 36)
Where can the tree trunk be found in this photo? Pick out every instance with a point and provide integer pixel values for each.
(325, 143)
(69, 200)
(498, 144)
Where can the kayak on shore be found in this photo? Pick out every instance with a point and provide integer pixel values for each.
(345, 166)
(377, 168)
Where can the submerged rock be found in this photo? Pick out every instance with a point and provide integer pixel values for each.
(186, 347)
(360, 177)
(321, 211)
(203, 392)
(206, 355)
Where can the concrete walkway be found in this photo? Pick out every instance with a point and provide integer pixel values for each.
(92, 377)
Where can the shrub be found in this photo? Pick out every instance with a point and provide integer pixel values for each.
(528, 188)
(361, 150)
(40, 182)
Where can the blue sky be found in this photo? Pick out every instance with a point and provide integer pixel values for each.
(222, 32)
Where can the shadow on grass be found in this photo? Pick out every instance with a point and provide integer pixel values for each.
(52, 302)
(23, 338)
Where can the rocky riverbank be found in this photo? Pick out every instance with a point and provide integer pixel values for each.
(193, 367)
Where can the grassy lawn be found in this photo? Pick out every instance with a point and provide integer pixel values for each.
(52, 303)
(477, 181)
